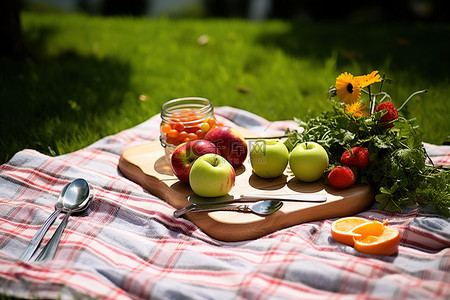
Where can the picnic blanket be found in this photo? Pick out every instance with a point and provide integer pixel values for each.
(127, 244)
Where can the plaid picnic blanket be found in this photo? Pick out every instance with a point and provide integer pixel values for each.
(127, 244)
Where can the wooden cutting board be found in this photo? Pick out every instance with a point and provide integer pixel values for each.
(146, 165)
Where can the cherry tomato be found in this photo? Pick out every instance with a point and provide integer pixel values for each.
(192, 136)
(178, 126)
(166, 128)
(182, 136)
(171, 141)
(200, 134)
(172, 133)
(192, 129)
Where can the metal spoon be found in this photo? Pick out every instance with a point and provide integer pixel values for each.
(227, 199)
(77, 198)
(265, 207)
(37, 238)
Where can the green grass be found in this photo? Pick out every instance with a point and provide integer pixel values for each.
(87, 73)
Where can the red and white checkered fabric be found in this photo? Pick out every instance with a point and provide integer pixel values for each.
(127, 244)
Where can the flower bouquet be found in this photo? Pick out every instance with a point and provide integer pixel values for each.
(365, 133)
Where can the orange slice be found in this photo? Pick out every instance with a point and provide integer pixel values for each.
(376, 238)
(369, 228)
(341, 229)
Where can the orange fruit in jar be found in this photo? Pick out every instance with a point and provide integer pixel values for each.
(192, 136)
(200, 134)
(165, 128)
(182, 136)
(341, 230)
(376, 238)
(192, 129)
(172, 141)
(172, 133)
(178, 126)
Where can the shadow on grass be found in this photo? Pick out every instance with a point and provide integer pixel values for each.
(35, 111)
(410, 48)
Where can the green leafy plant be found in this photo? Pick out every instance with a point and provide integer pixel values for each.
(397, 171)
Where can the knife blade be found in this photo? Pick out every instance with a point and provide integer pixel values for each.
(195, 199)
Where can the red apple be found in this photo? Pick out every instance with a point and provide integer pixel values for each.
(230, 142)
(185, 154)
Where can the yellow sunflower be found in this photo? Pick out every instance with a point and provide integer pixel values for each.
(357, 109)
(366, 80)
(347, 88)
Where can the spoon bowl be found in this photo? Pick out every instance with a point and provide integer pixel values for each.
(76, 195)
(266, 207)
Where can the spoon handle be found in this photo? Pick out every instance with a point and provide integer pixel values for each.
(49, 251)
(211, 207)
(214, 207)
(182, 211)
(37, 238)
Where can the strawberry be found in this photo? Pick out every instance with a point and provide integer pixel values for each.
(391, 114)
(358, 158)
(341, 177)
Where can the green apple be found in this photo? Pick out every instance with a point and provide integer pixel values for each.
(211, 175)
(308, 161)
(269, 158)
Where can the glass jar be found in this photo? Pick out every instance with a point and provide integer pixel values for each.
(183, 120)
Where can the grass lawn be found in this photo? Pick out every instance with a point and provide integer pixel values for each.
(89, 73)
